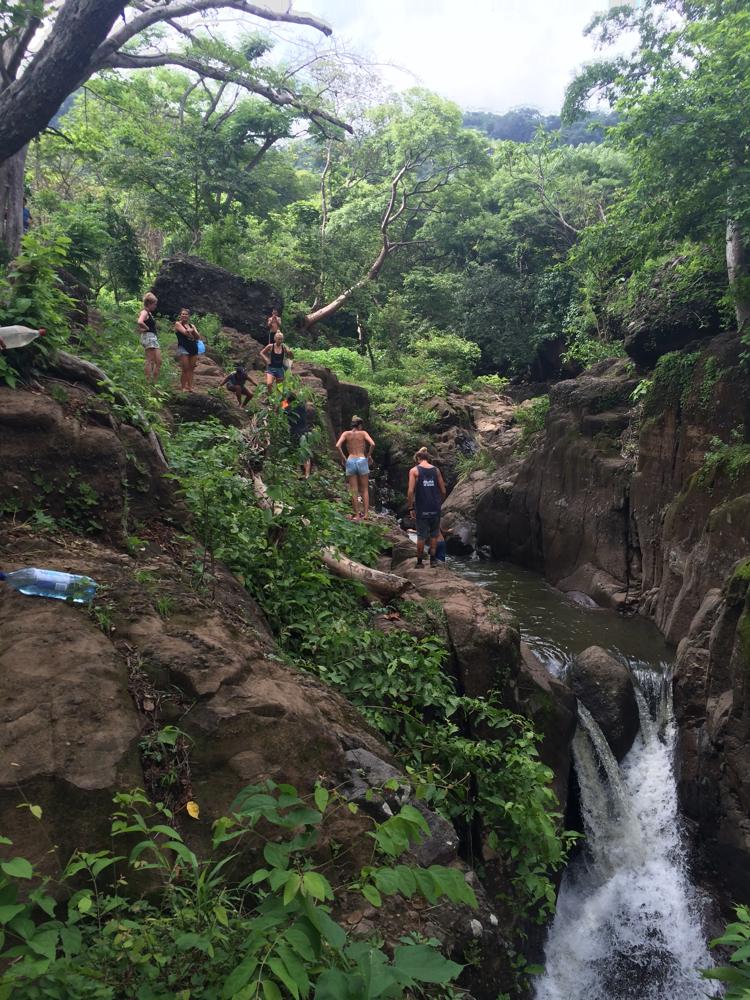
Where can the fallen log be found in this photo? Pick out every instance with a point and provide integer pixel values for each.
(382, 584)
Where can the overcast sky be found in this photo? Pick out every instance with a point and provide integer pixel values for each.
(488, 55)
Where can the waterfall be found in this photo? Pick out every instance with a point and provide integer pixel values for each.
(627, 925)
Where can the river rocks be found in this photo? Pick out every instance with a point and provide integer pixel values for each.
(603, 685)
(712, 707)
(457, 429)
(185, 281)
(488, 655)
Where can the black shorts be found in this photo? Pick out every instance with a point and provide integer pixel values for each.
(428, 526)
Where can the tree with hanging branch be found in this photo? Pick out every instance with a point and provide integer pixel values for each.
(48, 50)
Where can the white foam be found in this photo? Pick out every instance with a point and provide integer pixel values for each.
(627, 925)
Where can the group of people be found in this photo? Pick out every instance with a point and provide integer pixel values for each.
(425, 492)
(191, 344)
(426, 488)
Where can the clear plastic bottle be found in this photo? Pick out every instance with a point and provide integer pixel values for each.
(18, 336)
(50, 583)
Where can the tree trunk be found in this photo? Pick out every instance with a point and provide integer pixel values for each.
(737, 271)
(318, 315)
(383, 584)
(11, 202)
(62, 63)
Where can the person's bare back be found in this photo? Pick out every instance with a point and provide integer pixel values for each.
(356, 442)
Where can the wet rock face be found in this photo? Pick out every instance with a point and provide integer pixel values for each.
(189, 282)
(604, 686)
(564, 509)
(712, 707)
(612, 503)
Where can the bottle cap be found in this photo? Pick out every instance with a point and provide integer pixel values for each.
(2, 576)
(42, 332)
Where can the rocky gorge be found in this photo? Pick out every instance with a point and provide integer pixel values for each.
(634, 495)
(623, 499)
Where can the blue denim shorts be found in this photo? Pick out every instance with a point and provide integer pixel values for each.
(278, 373)
(357, 467)
(428, 526)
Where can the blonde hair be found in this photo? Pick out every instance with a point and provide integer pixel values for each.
(422, 455)
(149, 297)
(278, 336)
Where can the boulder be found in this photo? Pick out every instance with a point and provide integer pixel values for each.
(70, 457)
(603, 685)
(488, 655)
(185, 281)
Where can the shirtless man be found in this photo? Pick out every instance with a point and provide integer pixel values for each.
(359, 448)
(274, 324)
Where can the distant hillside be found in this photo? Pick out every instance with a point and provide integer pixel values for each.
(521, 124)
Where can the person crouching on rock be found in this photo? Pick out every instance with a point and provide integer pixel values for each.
(187, 349)
(359, 445)
(235, 382)
(149, 340)
(276, 357)
(425, 497)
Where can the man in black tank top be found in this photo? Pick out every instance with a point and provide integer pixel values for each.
(425, 496)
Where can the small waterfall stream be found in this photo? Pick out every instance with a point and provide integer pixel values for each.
(628, 922)
(627, 925)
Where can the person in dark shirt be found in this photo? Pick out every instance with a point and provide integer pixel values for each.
(26, 216)
(425, 497)
(299, 414)
(235, 382)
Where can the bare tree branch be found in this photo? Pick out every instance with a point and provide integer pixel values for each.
(183, 8)
(128, 60)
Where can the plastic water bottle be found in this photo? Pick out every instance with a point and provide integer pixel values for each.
(201, 347)
(18, 336)
(50, 583)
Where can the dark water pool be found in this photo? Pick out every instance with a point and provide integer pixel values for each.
(556, 627)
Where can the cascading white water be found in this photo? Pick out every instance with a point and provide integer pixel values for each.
(627, 925)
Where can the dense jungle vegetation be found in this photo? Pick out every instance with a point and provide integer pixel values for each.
(416, 252)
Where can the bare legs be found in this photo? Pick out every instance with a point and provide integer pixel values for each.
(185, 373)
(152, 365)
(363, 485)
(359, 486)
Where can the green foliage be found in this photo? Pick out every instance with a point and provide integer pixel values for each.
(398, 681)
(482, 460)
(217, 929)
(737, 975)
(671, 383)
(114, 344)
(498, 383)
(31, 295)
(531, 419)
(730, 458)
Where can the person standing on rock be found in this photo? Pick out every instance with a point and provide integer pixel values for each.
(425, 498)
(187, 349)
(359, 449)
(274, 324)
(149, 340)
(277, 359)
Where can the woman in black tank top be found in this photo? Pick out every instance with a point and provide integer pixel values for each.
(149, 341)
(275, 355)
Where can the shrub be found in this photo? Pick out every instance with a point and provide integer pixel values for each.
(205, 936)
(531, 419)
(737, 975)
